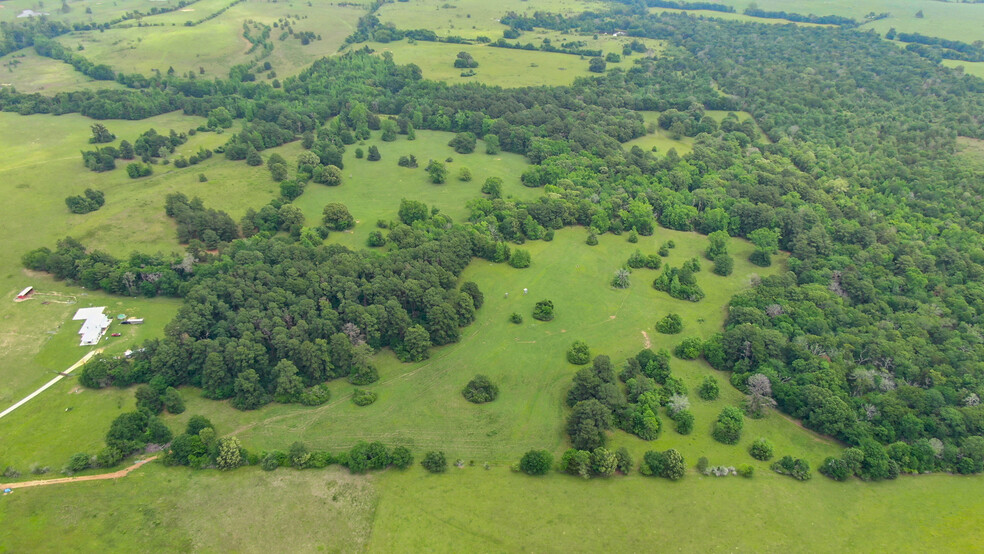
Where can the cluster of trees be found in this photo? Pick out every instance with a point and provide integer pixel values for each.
(599, 403)
(464, 60)
(272, 319)
(90, 202)
(480, 390)
(546, 46)
(140, 274)
(195, 222)
(600, 462)
(679, 283)
(53, 49)
(796, 468)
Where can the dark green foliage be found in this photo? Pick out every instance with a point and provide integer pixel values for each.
(723, 265)
(679, 283)
(587, 424)
(100, 134)
(597, 65)
(671, 324)
(412, 210)
(464, 60)
(92, 201)
(196, 423)
(463, 143)
(536, 462)
(515, 318)
(668, 464)
(592, 240)
(689, 349)
(336, 217)
(376, 239)
(471, 289)
(708, 389)
(401, 457)
(434, 462)
(624, 460)
(173, 402)
(576, 462)
(480, 390)
(363, 397)
(543, 310)
(761, 449)
(253, 158)
(760, 258)
(835, 468)
(684, 422)
(728, 427)
(796, 468)
(492, 187)
(520, 258)
(578, 353)
(373, 154)
(149, 398)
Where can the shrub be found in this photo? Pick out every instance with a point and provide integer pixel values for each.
(761, 449)
(623, 460)
(689, 349)
(464, 175)
(746, 471)
(835, 468)
(401, 458)
(728, 427)
(480, 390)
(435, 462)
(376, 239)
(708, 388)
(684, 421)
(316, 395)
(796, 468)
(579, 353)
(362, 397)
(669, 464)
(463, 143)
(621, 279)
(723, 264)
(670, 325)
(79, 462)
(270, 461)
(536, 462)
(373, 154)
(702, 464)
(633, 237)
(520, 259)
(515, 318)
(543, 310)
(576, 462)
(336, 217)
(761, 258)
(173, 401)
(592, 240)
(492, 187)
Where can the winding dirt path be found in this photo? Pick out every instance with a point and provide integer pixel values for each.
(102, 476)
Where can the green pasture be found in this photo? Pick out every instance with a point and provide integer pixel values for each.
(737, 16)
(40, 165)
(504, 67)
(970, 68)
(102, 10)
(28, 72)
(373, 190)
(472, 18)
(420, 405)
(952, 20)
(473, 509)
(179, 510)
(219, 43)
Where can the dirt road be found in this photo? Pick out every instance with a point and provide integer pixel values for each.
(60, 376)
(101, 476)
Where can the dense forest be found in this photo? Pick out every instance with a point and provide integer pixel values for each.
(872, 336)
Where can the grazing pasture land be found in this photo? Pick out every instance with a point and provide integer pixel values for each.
(28, 72)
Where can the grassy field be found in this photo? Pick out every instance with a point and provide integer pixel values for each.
(496, 66)
(472, 18)
(101, 10)
(39, 166)
(29, 72)
(953, 20)
(248, 510)
(177, 510)
(219, 42)
(372, 190)
(970, 68)
(420, 405)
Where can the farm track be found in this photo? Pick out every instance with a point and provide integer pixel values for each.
(101, 477)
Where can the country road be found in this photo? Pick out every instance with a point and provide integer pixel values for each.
(100, 477)
(59, 377)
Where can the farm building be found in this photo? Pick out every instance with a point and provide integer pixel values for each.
(25, 294)
(94, 324)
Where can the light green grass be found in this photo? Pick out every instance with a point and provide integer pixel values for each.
(504, 67)
(970, 68)
(41, 165)
(28, 72)
(372, 190)
(178, 510)
(102, 10)
(472, 509)
(953, 20)
(420, 404)
(471, 18)
(219, 43)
